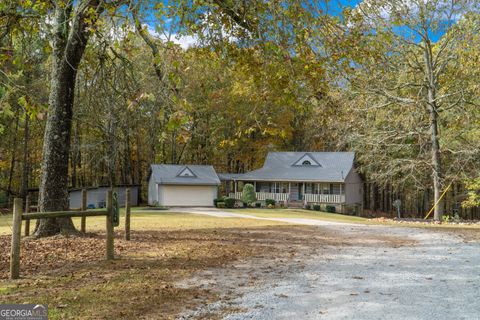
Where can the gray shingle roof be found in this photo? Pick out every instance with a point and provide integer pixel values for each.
(280, 166)
(169, 174)
(229, 176)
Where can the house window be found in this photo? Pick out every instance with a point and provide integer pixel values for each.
(309, 188)
(186, 173)
(334, 188)
(275, 187)
(326, 188)
(306, 163)
(278, 187)
(316, 188)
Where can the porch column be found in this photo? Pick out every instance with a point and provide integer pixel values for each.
(289, 190)
(255, 186)
(303, 191)
(342, 197)
(235, 186)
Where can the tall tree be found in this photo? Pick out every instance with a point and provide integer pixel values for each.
(71, 30)
(401, 55)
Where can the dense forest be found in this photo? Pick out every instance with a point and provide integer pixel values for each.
(224, 82)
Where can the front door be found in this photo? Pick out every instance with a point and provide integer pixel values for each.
(295, 191)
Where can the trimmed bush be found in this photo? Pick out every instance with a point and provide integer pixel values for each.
(307, 207)
(316, 207)
(270, 206)
(220, 204)
(215, 201)
(230, 202)
(330, 209)
(258, 204)
(270, 202)
(248, 194)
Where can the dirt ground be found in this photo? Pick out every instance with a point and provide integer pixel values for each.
(72, 277)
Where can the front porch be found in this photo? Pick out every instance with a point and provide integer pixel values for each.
(329, 193)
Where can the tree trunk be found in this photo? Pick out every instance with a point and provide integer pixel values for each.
(13, 159)
(75, 153)
(435, 145)
(25, 167)
(70, 38)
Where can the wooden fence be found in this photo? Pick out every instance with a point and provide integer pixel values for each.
(19, 215)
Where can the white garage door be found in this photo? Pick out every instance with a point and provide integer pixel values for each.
(188, 195)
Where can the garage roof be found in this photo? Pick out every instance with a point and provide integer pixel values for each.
(184, 174)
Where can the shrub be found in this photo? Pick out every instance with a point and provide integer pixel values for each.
(270, 206)
(220, 204)
(230, 202)
(258, 204)
(316, 207)
(330, 209)
(215, 201)
(307, 207)
(248, 195)
(270, 202)
(446, 218)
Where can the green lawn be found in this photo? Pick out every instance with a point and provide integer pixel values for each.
(300, 213)
(156, 220)
(165, 220)
(310, 214)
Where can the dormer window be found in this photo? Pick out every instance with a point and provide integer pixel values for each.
(306, 160)
(186, 172)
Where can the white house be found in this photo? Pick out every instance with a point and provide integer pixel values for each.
(303, 177)
(182, 185)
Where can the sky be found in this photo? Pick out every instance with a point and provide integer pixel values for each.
(185, 41)
(334, 7)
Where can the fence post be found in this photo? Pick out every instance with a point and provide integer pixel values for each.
(16, 234)
(83, 220)
(110, 252)
(127, 214)
(27, 222)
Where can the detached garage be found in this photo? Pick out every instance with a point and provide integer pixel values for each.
(182, 185)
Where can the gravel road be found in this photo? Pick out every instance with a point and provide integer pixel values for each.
(436, 275)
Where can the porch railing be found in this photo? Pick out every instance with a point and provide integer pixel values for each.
(263, 196)
(326, 198)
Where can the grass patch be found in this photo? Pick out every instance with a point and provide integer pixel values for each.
(335, 217)
(6, 289)
(300, 213)
(153, 220)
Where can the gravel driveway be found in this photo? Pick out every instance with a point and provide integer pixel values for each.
(434, 276)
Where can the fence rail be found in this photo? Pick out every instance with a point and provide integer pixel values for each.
(63, 214)
(324, 198)
(263, 196)
(19, 215)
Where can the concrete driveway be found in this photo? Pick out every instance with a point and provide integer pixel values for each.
(226, 214)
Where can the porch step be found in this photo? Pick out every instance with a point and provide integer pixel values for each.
(295, 204)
